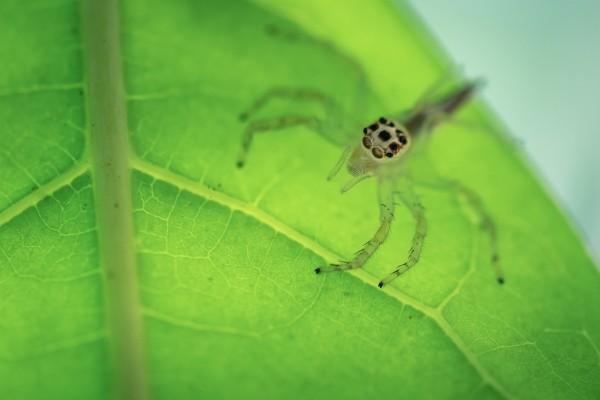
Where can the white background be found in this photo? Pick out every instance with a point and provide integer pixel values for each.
(541, 61)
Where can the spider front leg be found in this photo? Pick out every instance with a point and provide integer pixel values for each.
(282, 122)
(286, 121)
(386, 215)
(417, 242)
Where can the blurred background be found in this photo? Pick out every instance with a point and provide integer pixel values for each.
(541, 61)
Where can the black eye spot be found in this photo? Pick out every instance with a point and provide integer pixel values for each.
(390, 123)
(402, 139)
(394, 146)
(374, 126)
(398, 132)
(365, 131)
(389, 155)
(384, 135)
(383, 120)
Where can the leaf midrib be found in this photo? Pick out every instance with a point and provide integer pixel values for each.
(107, 125)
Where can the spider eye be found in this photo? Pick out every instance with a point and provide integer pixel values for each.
(367, 142)
(377, 152)
(384, 135)
(389, 155)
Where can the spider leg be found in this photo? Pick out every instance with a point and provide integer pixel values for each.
(386, 215)
(272, 124)
(487, 224)
(417, 242)
(286, 121)
(335, 120)
(355, 180)
(340, 163)
(287, 93)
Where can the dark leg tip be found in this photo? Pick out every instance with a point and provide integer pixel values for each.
(501, 280)
(380, 284)
(318, 270)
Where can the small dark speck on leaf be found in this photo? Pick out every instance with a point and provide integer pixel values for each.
(116, 205)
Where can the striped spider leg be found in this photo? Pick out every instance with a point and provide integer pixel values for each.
(382, 152)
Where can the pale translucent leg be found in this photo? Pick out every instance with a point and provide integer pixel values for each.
(282, 122)
(417, 242)
(340, 163)
(487, 224)
(486, 221)
(386, 215)
(350, 184)
(287, 93)
(305, 94)
(272, 124)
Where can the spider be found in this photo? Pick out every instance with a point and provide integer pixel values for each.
(382, 150)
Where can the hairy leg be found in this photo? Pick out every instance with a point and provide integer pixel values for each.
(418, 237)
(386, 215)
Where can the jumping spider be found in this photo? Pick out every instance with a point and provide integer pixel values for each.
(383, 151)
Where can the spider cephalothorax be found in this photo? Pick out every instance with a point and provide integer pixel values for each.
(385, 138)
(383, 142)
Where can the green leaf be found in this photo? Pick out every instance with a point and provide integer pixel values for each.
(190, 277)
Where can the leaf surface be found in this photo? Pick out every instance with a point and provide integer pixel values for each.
(228, 301)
